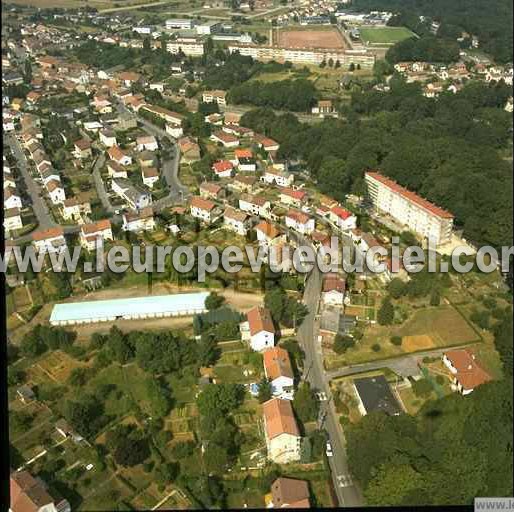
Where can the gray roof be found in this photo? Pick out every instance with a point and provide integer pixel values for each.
(376, 395)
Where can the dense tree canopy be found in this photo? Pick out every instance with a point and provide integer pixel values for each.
(445, 149)
(493, 25)
(455, 449)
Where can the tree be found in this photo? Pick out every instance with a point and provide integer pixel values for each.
(265, 390)
(28, 71)
(337, 64)
(331, 62)
(158, 396)
(396, 340)
(83, 414)
(31, 345)
(323, 64)
(435, 297)
(216, 400)
(216, 458)
(131, 452)
(305, 403)
(396, 288)
(503, 341)
(342, 343)
(351, 67)
(207, 350)
(78, 377)
(166, 473)
(214, 301)
(182, 450)
(385, 314)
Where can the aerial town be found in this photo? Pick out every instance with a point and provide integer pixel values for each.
(272, 126)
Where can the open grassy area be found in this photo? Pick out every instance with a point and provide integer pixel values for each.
(384, 35)
(427, 328)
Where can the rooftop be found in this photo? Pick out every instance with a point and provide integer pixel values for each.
(143, 306)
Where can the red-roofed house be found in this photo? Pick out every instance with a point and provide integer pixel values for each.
(29, 494)
(225, 139)
(300, 221)
(289, 493)
(92, 233)
(116, 154)
(467, 374)
(342, 218)
(268, 234)
(283, 439)
(292, 197)
(203, 209)
(333, 290)
(258, 329)
(223, 168)
(278, 369)
(50, 240)
(255, 205)
(210, 190)
(236, 221)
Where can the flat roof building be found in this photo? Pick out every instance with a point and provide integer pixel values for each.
(409, 209)
(137, 308)
(374, 395)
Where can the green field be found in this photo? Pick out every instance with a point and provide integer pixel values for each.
(385, 35)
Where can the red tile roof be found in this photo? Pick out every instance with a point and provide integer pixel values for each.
(202, 204)
(300, 195)
(410, 196)
(290, 493)
(277, 363)
(298, 216)
(279, 418)
(49, 233)
(222, 165)
(469, 373)
(259, 319)
(341, 212)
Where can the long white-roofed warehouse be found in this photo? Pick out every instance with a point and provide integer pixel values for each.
(137, 308)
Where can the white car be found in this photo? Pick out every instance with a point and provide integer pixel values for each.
(329, 451)
(89, 467)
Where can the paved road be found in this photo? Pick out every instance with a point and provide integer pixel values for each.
(39, 206)
(348, 494)
(405, 366)
(170, 168)
(100, 185)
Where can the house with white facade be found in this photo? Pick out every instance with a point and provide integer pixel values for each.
(135, 198)
(342, 218)
(143, 220)
(278, 370)
(49, 240)
(466, 373)
(223, 168)
(300, 221)
(277, 177)
(255, 205)
(150, 176)
(92, 234)
(333, 290)
(225, 139)
(258, 329)
(147, 142)
(290, 197)
(236, 220)
(119, 156)
(268, 234)
(203, 209)
(73, 209)
(56, 191)
(107, 138)
(283, 439)
(11, 198)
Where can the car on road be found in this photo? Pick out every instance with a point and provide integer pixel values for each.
(329, 451)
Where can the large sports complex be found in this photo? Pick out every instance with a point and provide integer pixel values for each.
(137, 308)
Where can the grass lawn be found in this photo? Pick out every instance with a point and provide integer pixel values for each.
(384, 35)
(427, 328)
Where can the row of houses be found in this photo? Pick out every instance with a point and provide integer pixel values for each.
(12, 201)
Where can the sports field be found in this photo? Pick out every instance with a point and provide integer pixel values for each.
(384, 35)
(329, 38)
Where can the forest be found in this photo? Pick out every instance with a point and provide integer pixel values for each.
(490, 21)
(446, 149)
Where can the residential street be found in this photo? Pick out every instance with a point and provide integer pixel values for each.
(39, 206)
(348, 494)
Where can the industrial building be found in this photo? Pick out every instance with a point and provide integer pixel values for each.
(137, 308)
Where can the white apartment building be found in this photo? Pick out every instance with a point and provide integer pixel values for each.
(407, 208)
(180, 23)
(191, 49)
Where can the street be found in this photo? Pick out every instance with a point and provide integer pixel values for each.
(39, 206)
(348, 494)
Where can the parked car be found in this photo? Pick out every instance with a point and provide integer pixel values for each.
(329, 451)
